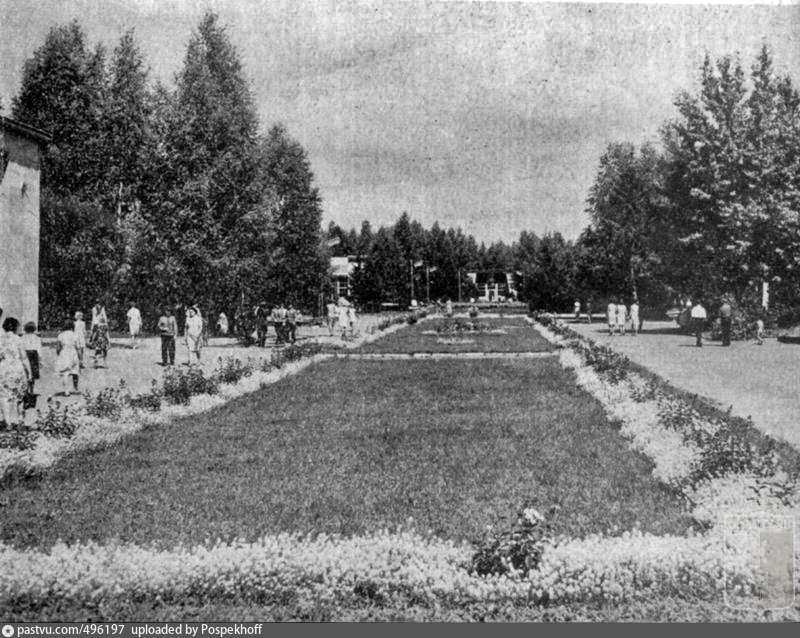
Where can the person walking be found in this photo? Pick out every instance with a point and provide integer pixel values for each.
(588, 311)
(68, 365)
(634, 312)
(194, 334)
(699, 316)
(760, 329)
(576, 309)
(726, 321)
(622, 317)
(611, 316)
(99, 340)
(331, 317)
(15, 372)
(168, 330)
(32, 345)
(222, 325)
(351, 319)
(79, 328)
(134, 323)
(291, 323)
(344, 320)
(279, 320)
(448, 308)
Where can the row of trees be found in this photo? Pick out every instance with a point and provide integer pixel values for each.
(714, 210)
(159, 193)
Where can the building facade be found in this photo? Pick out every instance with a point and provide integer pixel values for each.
(20, 161)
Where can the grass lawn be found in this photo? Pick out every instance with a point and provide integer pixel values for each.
(517, 336)
(349, 446)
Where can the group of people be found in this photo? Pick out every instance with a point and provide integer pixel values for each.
(284, 319)
(341, 315)
(621, 317)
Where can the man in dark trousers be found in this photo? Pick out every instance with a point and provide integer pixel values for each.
(699, 316)
(262, 322)
(168, 329)
(726, 320)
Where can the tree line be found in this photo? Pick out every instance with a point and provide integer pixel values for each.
(165, 194)
(713, 210)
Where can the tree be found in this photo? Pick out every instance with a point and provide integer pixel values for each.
(620, 252)
(299, 263)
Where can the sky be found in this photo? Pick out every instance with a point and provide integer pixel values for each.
(491, 116)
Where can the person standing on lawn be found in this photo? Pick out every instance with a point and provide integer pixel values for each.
(279, 321)
(15, 372)
(576, 309)
(351, 319)
(134, 323)
(168, 329)
(611, 316)
(99, 340)
(344, 319)
(79, 328)
(194, 334)
(588, 311)
(222, 325)
(726, 321)
(699, 317)
(68, 365)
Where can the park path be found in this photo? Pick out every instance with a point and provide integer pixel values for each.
(139, 367)
(761, 382)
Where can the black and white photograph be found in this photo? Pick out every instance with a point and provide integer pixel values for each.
(397, 311)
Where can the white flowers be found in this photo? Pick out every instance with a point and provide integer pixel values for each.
(532, 515)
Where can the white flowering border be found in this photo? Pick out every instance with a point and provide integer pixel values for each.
(95, 432)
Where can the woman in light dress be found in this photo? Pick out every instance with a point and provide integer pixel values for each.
(68, 364)
(194, 333)
(99, 338)
(134, 323)
(344, 317)
(222, 324)
(79, 327)
(15, 372)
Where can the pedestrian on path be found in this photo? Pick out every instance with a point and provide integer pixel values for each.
(351, 319)
(222, 325)
(79, 328)
(15, 372)
(168, 329)
(576, 309)
(134, 323)
(588, 311)
(332, 314)
(726, 321)
(194, 334)
(634, 313)
(68, 365)
(99, 340)
(611, 315)
(344, 319)
(291, 323)
(622, 317)
(760, 331)
(699, 317)
(32, 345)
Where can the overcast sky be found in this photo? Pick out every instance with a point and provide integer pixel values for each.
(490, 116)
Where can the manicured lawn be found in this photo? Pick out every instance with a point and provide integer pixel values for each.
(512, 334)
(349, 446)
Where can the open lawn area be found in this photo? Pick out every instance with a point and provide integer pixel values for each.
(352, 446)
(484, 334)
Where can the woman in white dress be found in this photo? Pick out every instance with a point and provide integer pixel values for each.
(134, 323)
(194, 333)
(344, 318)
(99, 338)
(68, 364)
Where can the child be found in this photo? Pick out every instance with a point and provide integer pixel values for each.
(32, 345)
(79, 328)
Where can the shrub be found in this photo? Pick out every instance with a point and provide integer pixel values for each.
(106, 404)
(518, 549)
(18, 439)
(57, 422)
(148, 401)
(181, 385)
(231, 369)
